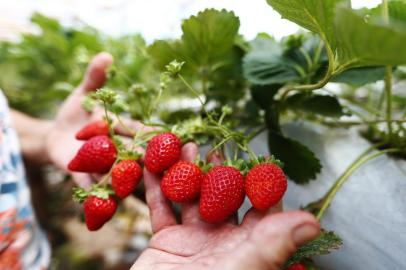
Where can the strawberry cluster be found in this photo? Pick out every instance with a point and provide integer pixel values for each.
(221, 189)
(99, 155)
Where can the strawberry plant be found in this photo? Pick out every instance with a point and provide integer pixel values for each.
(212, 87)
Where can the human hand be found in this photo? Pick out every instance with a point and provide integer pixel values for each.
(261, 241)
(61, 144)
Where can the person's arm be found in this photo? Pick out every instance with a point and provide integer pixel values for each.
(32, 133)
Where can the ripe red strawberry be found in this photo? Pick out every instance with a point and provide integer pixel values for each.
(222, 193)
(96, 155)
(297, 266)
(92, 129)
(182, 182)
(265, 185)
(98, 211)
(162, 152)
(125, 177)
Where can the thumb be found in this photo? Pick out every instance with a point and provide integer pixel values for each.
(96, 73)
(275, 238)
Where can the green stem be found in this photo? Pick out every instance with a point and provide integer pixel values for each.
(153, 105)
(196, 94)
(318, 52)
(307, 87)
(255, 133)
(388, 75)
(109, 122)
(364, 122)
(102, 182)
(220, 144)
(388, 91)
(121, 123)
(344, 177)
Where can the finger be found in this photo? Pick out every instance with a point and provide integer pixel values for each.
(190, 211)
(96, 73)
(275, 238)
(95, 78)
(160, 209)
(216, 159)
(253, 216)
(82, 180)
(189, 152)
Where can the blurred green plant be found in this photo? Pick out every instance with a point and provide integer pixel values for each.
(39, 70)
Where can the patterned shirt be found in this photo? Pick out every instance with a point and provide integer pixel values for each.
(22, 244)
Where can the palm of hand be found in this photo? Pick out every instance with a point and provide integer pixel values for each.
(193, 246)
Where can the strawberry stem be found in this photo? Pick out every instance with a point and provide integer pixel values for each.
(109, 122)
(362, 159)
(188, 86)
(102, 182)
(121, 123)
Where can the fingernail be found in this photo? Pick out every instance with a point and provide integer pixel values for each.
(304, 233)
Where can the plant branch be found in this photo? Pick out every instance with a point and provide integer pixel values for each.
(388, 76)
(196, 94)
(363, 122)
(345, 176)
(308, 87)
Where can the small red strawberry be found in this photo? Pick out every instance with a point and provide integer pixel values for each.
(92, 129)
(265, 185)
(162, 152)
(222, 193)
(182, 182)
(125, 177)
(297, 266)
(98, 211)
(96, 155)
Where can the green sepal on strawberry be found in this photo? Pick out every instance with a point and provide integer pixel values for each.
(240, 164)
(264, 159)
(96, 155)
(124, 154)
(163, 150)
(125, 176)
(182, 182)
(222, 193)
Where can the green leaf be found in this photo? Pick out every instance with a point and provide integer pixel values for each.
(263, 95)
(367, 41)
(324, 244)
(211, 49)
(209, 36)
(397, 10)
(360, 76)
(314, 15)
(300, 163)
(319, 104)
(163, 52)
(266, 64)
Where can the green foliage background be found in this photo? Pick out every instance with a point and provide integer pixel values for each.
(40, 70)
